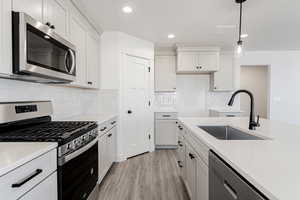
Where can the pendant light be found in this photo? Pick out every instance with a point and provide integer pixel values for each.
(239, 47)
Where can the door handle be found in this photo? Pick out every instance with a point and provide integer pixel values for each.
(129, 111)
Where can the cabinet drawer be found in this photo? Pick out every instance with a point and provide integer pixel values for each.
(17, 182)
(166, 115)
(46, 190)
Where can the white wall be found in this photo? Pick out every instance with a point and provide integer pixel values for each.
(284, 82)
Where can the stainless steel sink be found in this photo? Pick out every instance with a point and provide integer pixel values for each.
(228, 133)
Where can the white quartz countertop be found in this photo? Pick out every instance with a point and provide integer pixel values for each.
(99, 118)
(15, 154)
(226, 110)
(272, 166)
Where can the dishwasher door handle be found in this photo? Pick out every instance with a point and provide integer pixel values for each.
(230, 190)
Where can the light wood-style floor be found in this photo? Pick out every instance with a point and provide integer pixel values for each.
(152, 176)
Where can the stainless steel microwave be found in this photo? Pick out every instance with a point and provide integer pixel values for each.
(40, 53)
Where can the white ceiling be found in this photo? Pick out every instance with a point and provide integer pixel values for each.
(271, 24)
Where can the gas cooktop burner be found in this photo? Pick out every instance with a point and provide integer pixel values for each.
(51, 131)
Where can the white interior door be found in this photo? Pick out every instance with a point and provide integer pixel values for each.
(136, 108)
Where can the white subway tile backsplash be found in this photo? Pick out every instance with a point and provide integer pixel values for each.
(67, 101)
(193, 96)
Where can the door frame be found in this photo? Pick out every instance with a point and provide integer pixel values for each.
(122, 150)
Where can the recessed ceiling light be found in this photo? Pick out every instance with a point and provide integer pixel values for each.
(171, 36)
(127, 9)
(244, 35)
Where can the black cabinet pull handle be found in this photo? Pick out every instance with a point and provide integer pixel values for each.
(25, 180)
(166, 115)
(191, 155)
(180, 144)
(230, 190)
(90, 83)
(103, 129)
(109, 135)
(179, 164)
(112, 123)
(129, 111)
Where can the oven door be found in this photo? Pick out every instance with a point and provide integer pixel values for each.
(78, 173)
(39, 51)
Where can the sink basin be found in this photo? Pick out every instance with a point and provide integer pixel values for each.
(228, 133)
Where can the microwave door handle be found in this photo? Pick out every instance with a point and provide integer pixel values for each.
(73, 61)
(66, 63)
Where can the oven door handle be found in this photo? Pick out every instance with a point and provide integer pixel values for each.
(63, 160)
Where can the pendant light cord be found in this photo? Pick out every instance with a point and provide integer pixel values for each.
(241, 15)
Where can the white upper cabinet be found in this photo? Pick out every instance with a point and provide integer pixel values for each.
(93, 54)
(165, 73)
(197, 60)
(34, 8)
(223, 80)
(56, 13)
(78, 38)
(5, 38)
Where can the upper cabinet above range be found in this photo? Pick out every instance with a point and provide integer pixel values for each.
(197, 60)
(51, 12)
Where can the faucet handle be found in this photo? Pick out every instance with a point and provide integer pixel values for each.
(257, 121)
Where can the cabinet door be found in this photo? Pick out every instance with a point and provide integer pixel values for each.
(191, 172)
(207, 61)
(92, 60)
(181, 156)
(102, 153)
(78, 38)
(34, 8)
(5, 37)
(187, 62)
(165, 73)
(166, 132)
(110, 147)
(46, 190)
(223, 79)
(202, 180)
(56, 13)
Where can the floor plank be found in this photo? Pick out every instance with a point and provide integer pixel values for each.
(152, 176)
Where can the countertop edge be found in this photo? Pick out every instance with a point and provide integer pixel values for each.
(23, 161)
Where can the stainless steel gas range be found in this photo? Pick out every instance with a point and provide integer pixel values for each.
(77, 144)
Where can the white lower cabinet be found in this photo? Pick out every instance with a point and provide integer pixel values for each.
(202, 181)
(191, 172)
(166, 130)
(31, 179)
(193, 165)
(107, 147)
(46, 190)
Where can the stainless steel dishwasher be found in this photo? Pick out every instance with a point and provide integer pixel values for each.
(226, 184)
